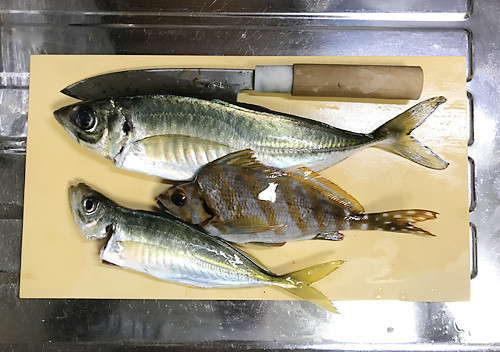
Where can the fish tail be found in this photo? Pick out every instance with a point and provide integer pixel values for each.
(302, 279)
(396, 221)
(395, 135)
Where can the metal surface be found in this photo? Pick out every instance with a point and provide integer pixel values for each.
(300, 27)
(199, 83)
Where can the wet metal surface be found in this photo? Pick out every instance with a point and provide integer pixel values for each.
(299, 27)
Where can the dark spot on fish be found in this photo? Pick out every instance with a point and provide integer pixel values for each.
(110, 229)
(126, 127)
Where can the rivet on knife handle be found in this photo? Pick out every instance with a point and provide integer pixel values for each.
(348, 81)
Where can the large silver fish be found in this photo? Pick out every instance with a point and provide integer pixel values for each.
(172, 250)
(240, 200)
(172, 137)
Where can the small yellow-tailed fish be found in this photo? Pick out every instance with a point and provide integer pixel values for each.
(241, 200)
(172, 250)
(172, 137)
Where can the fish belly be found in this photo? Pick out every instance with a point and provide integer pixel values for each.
(169, 156)
(177, 267)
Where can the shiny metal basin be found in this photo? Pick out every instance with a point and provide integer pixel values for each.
(296, 27)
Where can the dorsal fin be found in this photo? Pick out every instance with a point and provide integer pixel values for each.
(246, 159)
(326, 187)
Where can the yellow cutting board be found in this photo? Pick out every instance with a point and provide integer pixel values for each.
(58, 262)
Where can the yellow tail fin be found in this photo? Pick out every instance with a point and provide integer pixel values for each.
(302, 279)
(396, 138)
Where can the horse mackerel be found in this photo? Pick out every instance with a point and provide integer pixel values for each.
(172, 136)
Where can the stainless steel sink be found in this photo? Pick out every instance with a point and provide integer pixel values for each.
(294, 27)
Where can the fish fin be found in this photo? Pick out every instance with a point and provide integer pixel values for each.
(396, 138)
(245, 158)
(330, 236)
(303, 278)
(246, 225)
(163, 146)
(266, 245)
(399, 221)
(326, 187)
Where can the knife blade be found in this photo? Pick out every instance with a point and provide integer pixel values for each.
(330, 80)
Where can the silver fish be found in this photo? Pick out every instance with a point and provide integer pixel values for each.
(172, 250)
(241, 200)
(172, 137)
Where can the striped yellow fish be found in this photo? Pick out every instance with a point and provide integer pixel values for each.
(240, 200)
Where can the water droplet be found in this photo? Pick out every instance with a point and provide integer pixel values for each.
(402, 295)
(378, 293)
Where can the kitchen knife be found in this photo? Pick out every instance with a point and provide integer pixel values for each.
(330, 80)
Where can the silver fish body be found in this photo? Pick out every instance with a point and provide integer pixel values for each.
(178, 252)
(172, 137)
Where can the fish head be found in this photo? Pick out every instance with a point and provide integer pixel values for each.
(184, 200)
(91, 124)
(91, 211)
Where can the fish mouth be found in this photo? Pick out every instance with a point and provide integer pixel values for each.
(59, 114)
(62, 116)
(73, 197)
(161, 205)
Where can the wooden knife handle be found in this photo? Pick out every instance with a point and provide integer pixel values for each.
(358, 81)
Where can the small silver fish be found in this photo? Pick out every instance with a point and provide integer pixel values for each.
(171, 250)
(241, 200)
(172, 137)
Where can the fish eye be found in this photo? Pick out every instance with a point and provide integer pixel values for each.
(90, 205)
(85, 118)
(178, 198)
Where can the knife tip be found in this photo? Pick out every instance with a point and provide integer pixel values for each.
(67, 91)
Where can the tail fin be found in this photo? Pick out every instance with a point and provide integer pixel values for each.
(302, 279)
(396, 134)
(397, 221)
